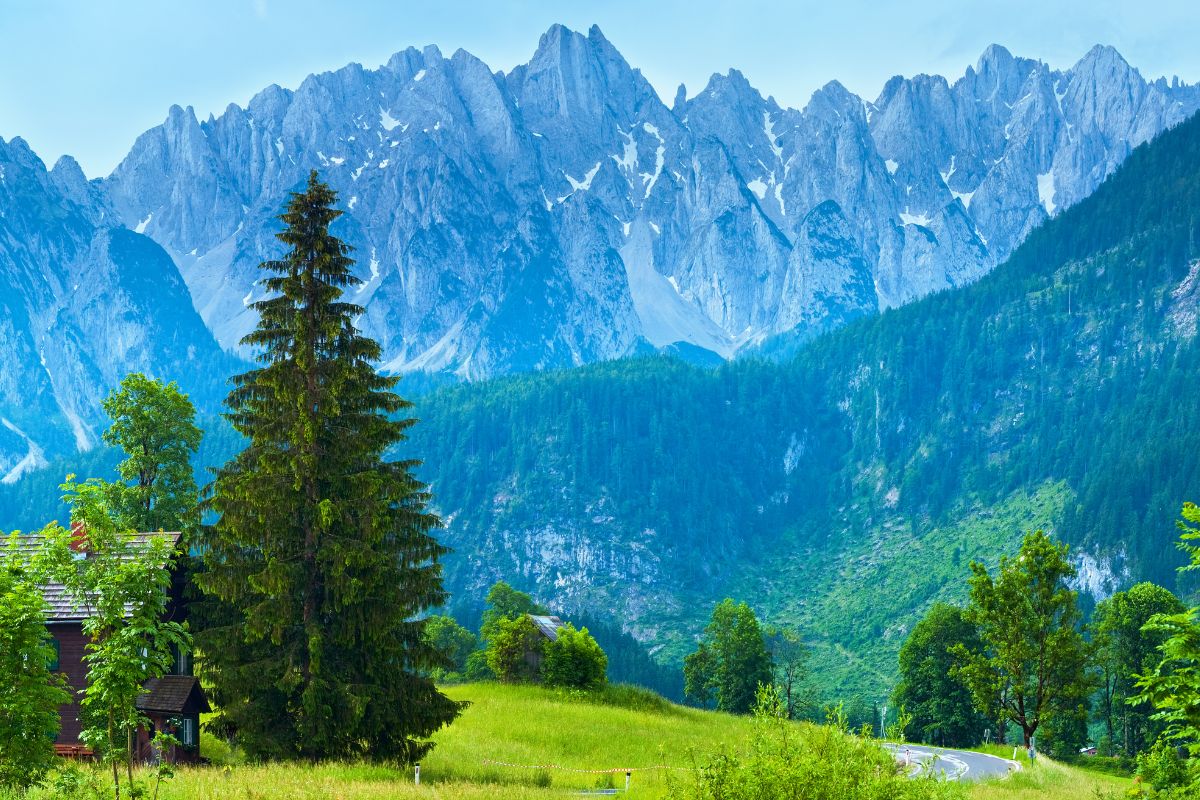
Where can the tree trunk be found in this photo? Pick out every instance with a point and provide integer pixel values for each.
(131, 739)
(111, 747)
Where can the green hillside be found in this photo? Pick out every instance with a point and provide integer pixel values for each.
(847, 489)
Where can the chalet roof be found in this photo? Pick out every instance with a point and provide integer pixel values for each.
(61, 606)
(547, 625)
(173, 694)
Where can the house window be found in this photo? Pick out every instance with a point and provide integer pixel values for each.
(188, 732)
(54, 657)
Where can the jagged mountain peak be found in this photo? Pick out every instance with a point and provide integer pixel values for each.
(19, 151)
(1103, 58)
(732, 84)
(679, 105)
(836, 97)
(995, 58)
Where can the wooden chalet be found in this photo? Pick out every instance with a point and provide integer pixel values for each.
(173, 702)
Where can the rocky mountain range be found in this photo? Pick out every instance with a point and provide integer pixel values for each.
(554, 215)
(562, 213)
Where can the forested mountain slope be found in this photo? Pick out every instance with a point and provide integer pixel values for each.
(846, 489)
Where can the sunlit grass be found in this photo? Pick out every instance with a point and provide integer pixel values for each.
(1046, 778)
(549, 735)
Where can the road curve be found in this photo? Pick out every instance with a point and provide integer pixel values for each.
(954, 765)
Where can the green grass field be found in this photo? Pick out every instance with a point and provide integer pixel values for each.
(551, 734)
(563, 744)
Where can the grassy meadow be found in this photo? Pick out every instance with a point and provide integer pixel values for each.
(540, 729)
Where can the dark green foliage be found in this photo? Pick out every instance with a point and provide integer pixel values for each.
(1031, 660)
(1064, 732)
(940, 707)
(789, 657)
(1173, 686)
(1124, 650)
(153, 424)
(30, 693)
(574, 660)
(454, 641)
(515, 649)
(322, 557)
(731, 661)
(630, 663)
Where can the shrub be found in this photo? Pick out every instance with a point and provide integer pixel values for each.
(828, 762)
(574, 660)
(1161, 767)
(514, 649)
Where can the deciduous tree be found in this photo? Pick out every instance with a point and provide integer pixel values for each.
(154, 424)
(453, 640)
(1173, 686)
(30, 693)
(515, 649)
(574, 660)
(731, 660)
(790, 657)
(1124, 650)
(1032, 654)
(122, 587)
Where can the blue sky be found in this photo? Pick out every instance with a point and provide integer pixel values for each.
(86, 77)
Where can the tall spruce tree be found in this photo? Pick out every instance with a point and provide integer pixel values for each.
(322, 556)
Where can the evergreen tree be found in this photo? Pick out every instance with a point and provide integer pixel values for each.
(322, 557)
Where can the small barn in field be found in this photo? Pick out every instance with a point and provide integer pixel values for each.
(548, 627)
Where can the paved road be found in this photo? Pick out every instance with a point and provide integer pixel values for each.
(955, 765)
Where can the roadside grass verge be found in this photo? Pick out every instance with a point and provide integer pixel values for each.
(1047, 778)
